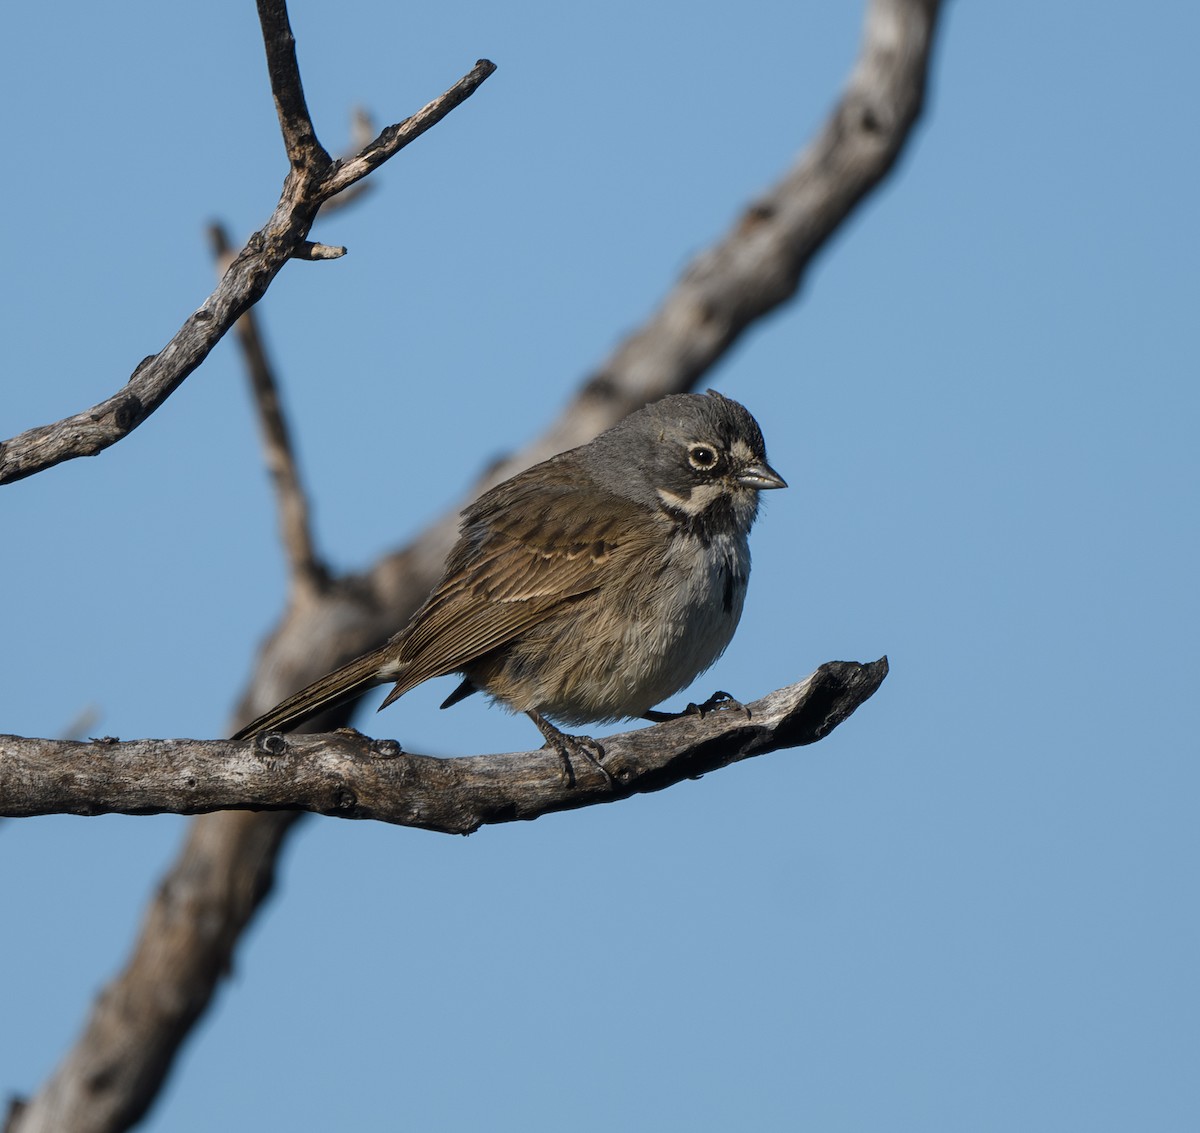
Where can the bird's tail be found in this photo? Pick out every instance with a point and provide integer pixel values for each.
(337, 687)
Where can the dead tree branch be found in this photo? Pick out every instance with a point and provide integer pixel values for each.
(349, 775)
(759, 264)
(109, 1078)
(295, 123)
(314, 179)
(306, 570)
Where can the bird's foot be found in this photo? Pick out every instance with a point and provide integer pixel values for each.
(572, 747)
(718, 702)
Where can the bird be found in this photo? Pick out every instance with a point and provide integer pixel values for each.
(588, 588)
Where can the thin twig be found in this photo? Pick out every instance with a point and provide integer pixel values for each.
(392, 139)
(282, 238)
(306, 569)
(362, 133)
(310, 250)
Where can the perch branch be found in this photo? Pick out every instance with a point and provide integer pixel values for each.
(348, 775)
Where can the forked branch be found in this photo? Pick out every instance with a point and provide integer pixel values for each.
(314, 179)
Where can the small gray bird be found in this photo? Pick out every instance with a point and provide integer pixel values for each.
(590, 587)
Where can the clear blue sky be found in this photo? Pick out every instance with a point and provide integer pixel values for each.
(971, 908)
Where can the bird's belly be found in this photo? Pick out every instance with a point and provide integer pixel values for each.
(631, 650)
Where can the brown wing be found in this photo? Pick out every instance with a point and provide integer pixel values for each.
(528, 547)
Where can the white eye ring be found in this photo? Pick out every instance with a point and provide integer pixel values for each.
(703, 457)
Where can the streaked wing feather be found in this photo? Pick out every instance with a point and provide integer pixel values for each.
(517, 563)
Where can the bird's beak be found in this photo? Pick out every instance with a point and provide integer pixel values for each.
(761, 476)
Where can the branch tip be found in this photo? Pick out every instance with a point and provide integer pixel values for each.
(312, 251)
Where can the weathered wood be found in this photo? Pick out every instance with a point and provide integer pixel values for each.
(348, 775)
(314, 178)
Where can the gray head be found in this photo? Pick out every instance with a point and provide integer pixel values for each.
(699, 457)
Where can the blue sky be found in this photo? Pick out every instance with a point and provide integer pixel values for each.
(972, 907)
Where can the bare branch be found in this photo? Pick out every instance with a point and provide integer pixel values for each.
(362, 128)
(313, 251)
(362, 132)
(299, 137)
(759, 264)
(109, 1078)
(306, 569)
(394, 138)
(312, 181)
(83, 723)
(349, 775)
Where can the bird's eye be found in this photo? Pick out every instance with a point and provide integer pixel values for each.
(702, 457)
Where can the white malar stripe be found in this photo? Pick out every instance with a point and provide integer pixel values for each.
(697, 503)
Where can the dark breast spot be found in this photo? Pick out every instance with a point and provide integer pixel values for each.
(697, 526)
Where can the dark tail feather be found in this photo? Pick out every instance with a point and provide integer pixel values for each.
(461, 693)
(339, 686)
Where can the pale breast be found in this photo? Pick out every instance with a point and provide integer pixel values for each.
(639, 641)
(661, 617)
(702, 590)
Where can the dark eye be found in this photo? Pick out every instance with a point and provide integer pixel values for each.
(702, 457)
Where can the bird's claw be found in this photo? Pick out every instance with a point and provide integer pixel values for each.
(590, 751)
(581, 747)
(718, 702)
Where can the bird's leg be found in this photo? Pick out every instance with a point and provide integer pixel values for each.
(719, 701)
(567, 746)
